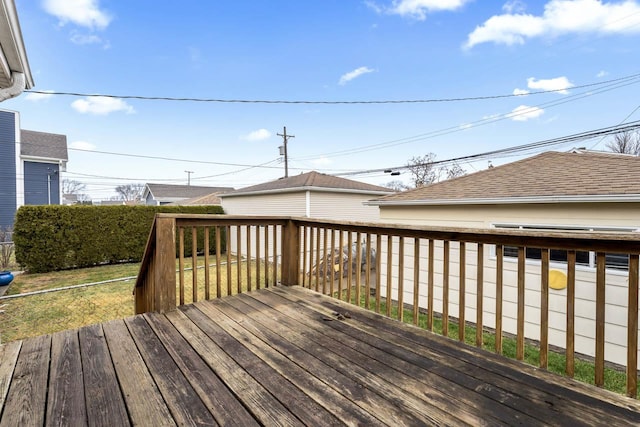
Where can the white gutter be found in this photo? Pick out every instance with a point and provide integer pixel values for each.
(625, 198)
(16, 88)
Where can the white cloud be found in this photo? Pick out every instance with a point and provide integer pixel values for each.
(524, 113)
(36, 97)
(86, 13)
(257, 135)
(602, 73)
(82, 145)
(101, 105)
(418, 9)
(82, 39)
(514, 6)
(520, 92)
(322, 161)
(559, 84)
(559, 17)
(465, 126)
(354, 74)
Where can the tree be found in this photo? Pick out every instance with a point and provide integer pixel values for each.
(130, 192)
(454, 171)
(422, 170)
(396, 185)
(627, 142)
(71, 186)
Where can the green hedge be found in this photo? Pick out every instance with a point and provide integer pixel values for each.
(54, 237)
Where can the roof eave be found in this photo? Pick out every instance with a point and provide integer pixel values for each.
(306, 188)
(11, 38)
(607, 198)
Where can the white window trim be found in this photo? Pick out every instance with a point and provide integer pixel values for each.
(558, 227)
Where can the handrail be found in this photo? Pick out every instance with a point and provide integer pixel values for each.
(465, 262)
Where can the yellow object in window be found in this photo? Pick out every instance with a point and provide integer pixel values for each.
(557, 279)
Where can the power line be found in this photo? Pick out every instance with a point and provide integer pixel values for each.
(518, 148)
(389, 101)
(459, 128)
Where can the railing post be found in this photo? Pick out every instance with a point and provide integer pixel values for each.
(290, 254)
(164, 298)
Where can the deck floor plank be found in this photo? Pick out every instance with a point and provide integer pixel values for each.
(8, 359)
(386, 402)
(266, 408)
(186, 406)
(580, 402)
(224, 406)
(456, 398)
(282, 356)
(104, 400)
(302, 406)
(145, 404)
(65, 401)
(26, 400)
(344, 409)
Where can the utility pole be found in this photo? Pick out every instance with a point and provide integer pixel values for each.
(285, 137)
(189, 177)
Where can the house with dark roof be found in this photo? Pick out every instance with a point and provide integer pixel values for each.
(311, 194)
(163, 194)
(578, 191)
(30, 166)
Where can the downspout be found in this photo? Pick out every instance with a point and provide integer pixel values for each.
(15, 89)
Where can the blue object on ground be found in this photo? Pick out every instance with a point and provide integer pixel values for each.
(5, 278)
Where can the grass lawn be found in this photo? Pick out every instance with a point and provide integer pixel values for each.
(33, 315)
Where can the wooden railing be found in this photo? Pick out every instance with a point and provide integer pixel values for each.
(460, 276)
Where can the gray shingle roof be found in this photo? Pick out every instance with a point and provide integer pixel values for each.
(43, 144)
(549, 174)
(160, 191)
(311, 180)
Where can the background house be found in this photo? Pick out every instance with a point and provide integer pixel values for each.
(163, 194)
(30, 166)
(312, 194)
(551, 191)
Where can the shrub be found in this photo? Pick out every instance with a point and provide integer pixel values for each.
(55, 237)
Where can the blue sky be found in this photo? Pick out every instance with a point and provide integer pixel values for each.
(318, 50)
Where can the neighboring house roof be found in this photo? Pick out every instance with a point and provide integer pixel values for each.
(175, 193)
(43, 145)
(546, 178)
(13, 55)
(206, 200)
(311, 181)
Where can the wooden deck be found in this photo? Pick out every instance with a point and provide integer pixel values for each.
(283, 356)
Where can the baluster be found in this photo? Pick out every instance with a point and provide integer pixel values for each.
(349, 265)
(499, 286)
(228, 259)
(194, 263)
(389, 272)
(207, 284)
(239, 259)
(571, 305)
(544, 310)
(430, 279)
(332, 270)
(401, 278)
(358, 269)
(462, 296)
(632, 329)
(480, 296)
(520, 319)
(416, 280)
(258, 259)
(445, 289)
(218, 272)
(181, 265)
(378, 267)
(600, 318)
(367, 302)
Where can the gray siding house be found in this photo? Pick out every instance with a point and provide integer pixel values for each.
(30, 166)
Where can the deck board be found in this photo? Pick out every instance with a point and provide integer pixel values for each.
(282, 356)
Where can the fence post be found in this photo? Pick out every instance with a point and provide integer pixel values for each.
(165, 265)
(291, 254)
